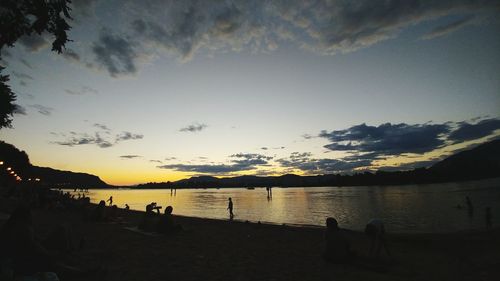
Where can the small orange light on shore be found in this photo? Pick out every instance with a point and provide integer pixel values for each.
(9, 168)
(37, 179)
(1, 162)
(11, 172)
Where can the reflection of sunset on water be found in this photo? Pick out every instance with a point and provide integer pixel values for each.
(407, 208)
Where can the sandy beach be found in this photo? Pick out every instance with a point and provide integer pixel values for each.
(223, 250)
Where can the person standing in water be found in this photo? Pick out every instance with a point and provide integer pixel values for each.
(230, 208)
(110, 200)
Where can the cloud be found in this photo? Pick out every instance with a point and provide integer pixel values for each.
(170, 158)
(130, 156)
(83, 139)
(108, 140)
(128, 136)
(387, 139)
(21, 75)
(115, 53)
(82, 91)
(156, 161)
(193, 128)
(101, 126)
(44, 110)
(19, 110)
(28, 65)
(83, 8)
(33, 43)
(238, 162)
(470, 131)
(71, 55)
(184, 28)
(306, 163)
(448, 28)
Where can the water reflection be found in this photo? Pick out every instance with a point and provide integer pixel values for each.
(410, 208)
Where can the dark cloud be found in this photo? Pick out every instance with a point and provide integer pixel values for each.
(323, 26)
(155, 161)
(170, 158)
(470, 131)
(83, 8)
(448, 28)
(82, 91)
(34, 42)
(306, 163)
(19, 109)
(128, 136)
(238, 162)
(21, 75)
(28, 65)
(44, 110)
(196, 127)
(264, 148)
(83, 139)
(130, 156)
(71, 55)
(115, 53)
(101, 126)
(387, 139)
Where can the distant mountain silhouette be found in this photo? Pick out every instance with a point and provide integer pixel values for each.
(480, 162)
(19, 161)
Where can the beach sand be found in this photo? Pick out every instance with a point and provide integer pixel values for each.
(223, 250)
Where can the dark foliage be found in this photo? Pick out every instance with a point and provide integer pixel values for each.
(20, 18)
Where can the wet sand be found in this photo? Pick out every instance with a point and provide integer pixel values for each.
(223, 250)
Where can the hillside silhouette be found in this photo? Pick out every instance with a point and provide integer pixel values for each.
(19, 161)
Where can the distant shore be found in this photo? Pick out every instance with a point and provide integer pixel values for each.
(210, 249)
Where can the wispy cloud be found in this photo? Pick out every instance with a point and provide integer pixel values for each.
(448, 28)
(44, 110)
(130, 156)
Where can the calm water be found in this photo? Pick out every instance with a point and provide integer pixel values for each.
(408, 208)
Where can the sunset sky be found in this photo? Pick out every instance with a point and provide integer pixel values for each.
(162, 90)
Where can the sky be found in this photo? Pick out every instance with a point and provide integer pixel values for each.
(152, 91)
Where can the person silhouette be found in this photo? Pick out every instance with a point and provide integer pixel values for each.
(376, 231)
(110, 200)
(230, 208)
(338, 247)
(127, 207)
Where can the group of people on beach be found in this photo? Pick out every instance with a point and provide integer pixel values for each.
(153, 221)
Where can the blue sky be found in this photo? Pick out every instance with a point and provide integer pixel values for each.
(162, 90)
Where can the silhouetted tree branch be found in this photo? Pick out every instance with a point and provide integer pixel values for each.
(23, 18)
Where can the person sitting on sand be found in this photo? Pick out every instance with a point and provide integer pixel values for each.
(338, 247)
(376, 231)
(99, 213)
(150, 219)
(167, 224)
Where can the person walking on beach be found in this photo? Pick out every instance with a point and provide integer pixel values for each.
(110, 200)
(230, 208)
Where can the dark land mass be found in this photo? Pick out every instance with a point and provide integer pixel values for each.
(480, 162)
(20, 163)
